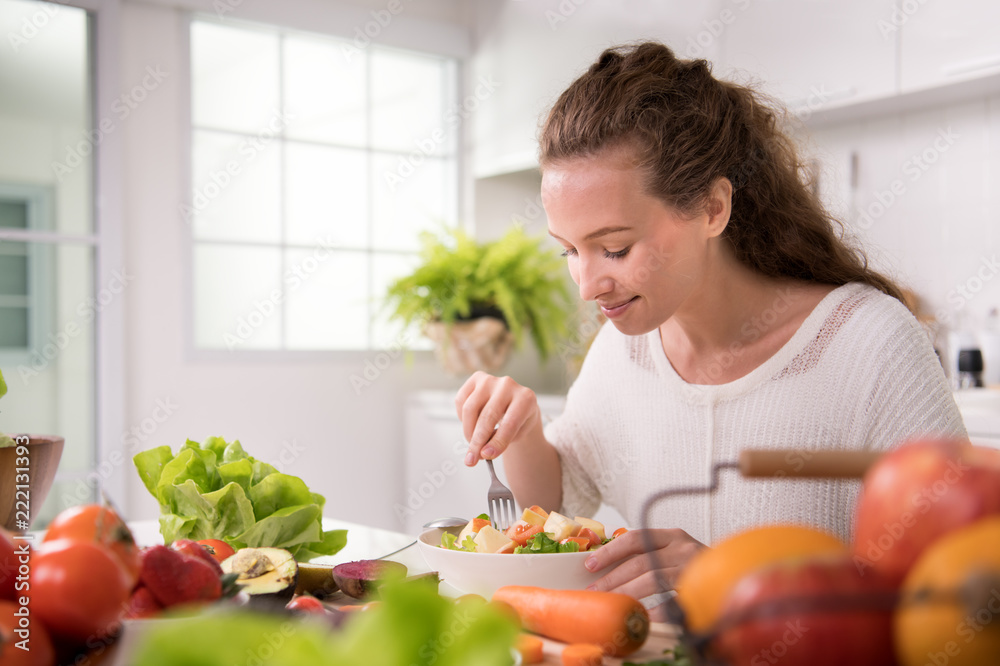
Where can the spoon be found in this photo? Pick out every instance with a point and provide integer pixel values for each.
(440, 522)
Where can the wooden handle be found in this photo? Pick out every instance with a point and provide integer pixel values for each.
(802, 463)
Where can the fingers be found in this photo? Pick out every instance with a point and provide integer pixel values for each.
(520, 412)
(633, 542)
(643, 583)
(638, 572)
(493, 410)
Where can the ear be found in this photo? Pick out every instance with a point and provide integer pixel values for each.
(719, 206)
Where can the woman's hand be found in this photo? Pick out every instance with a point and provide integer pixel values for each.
(485, 401)
(630, 569)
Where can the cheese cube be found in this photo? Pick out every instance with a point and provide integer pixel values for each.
(561, 527)
(533, 517)
(490, 540)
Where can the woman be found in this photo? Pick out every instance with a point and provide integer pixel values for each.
(738, 319)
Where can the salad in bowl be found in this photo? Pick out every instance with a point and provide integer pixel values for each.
(538, 531)
(479, 559)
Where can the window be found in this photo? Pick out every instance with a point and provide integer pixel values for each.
(25, 271)
(50, 242)
(315, 166)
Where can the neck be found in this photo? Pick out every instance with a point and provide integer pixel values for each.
(733, 304)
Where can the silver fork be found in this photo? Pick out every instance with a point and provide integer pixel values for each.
(501, 501)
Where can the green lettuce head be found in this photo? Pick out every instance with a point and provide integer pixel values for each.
(215, 490)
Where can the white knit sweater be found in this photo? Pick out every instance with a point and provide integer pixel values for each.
(860, 373)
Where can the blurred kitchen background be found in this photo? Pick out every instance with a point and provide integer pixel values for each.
(202, 202)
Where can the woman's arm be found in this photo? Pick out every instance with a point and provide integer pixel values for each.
(499, 416)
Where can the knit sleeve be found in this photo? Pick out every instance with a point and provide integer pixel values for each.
(909, 395)
(573, 436)
(580, 496)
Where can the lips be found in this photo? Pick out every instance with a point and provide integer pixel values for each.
(617, 310)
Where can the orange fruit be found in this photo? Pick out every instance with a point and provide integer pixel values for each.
(950, 608)
(709, 576)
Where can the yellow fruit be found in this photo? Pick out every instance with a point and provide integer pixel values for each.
(950, 609)
(707, 579)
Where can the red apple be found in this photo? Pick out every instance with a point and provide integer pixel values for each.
(817, 610)
(917, 493)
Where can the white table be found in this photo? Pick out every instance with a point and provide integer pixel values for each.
(363, 543)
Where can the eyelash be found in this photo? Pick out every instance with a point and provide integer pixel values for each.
(620, 254)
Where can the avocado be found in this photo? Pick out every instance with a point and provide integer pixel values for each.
(266, 574)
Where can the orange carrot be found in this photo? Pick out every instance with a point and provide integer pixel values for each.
(616, 622)
(582, 654)
(531, 649)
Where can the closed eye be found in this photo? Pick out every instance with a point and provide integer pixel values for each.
(570, 252)
(619, 254)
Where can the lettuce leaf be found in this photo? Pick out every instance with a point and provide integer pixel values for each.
(543, 543)
(215, 490)
(450, 541)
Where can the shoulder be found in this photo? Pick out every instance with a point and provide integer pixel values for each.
(872, 317)
(870, 329)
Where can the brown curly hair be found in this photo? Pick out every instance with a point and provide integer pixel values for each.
(685, 129)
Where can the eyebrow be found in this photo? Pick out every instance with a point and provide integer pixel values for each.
(603, 231)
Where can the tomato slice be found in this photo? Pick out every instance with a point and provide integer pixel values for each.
(583, 542)
(522, 535)
(591, 536)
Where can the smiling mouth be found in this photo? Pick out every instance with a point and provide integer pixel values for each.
(615, 307)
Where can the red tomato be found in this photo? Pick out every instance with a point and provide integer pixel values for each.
(81, 523)
(521, 536)
(218, 549)
(78, 589)
(305, 603)
(8, 565)
(583, 542)
(591, 536)
(618, 532)
(40, 652)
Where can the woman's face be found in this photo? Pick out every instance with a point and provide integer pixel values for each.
(638, 258)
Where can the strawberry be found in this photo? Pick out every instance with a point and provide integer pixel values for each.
(196, 550)
(142, 604)
(175, 578)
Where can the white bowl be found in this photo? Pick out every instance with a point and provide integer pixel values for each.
(484, 573)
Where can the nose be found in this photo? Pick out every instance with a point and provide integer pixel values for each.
(592, 278)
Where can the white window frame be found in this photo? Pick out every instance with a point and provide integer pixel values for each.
(439, 45)
(39, 204)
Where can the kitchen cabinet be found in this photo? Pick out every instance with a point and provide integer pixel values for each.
(945, 42)
(812, 54)
(528, 52)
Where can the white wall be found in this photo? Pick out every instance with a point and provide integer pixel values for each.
(926, 200)
(303, 415)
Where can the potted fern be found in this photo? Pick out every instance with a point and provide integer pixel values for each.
(477, 300)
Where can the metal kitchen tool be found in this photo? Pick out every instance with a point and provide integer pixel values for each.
(440, 522)
(503, 510)
(757, 463)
